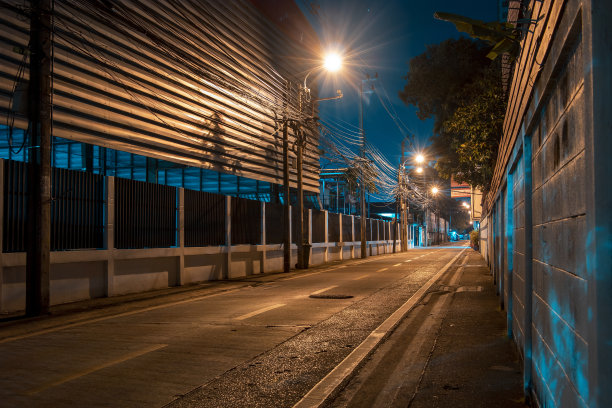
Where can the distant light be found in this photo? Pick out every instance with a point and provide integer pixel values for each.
(419, 169)
(435, 190)
(420, 158)
(333, 62)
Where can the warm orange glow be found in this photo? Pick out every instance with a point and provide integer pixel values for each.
(435, 190)
(420, 158)
(419, 169)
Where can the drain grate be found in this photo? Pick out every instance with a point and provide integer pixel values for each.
(331, 296)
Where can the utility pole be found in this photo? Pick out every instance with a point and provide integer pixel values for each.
(39, 171)
(286, 191)
(300, 139)
(364, 252)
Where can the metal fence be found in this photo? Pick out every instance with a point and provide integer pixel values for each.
(333, 227)
(246, 221)
(204, 219)
(145, 215)
(275, 222)
(318, 226)
(77, 209)
(15, 206)
(347, 228)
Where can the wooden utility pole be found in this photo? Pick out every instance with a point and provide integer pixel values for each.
(287, 199)
(39, 171)
(364, 252)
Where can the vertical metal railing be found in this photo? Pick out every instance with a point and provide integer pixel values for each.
(333, 228)
(145, 215)
(204, 218)
(15, 205)
(318, 226)
(77, 209)
(347, 226)
(274, 223)
(246, 221)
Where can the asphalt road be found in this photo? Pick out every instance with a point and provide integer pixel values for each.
(265, 341)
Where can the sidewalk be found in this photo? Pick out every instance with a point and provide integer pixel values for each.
(473, 363)
(451, 350)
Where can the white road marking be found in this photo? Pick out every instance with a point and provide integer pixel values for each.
(408, 260)
(361, 277)
(324, 290)
(74, 376)
(259, 311)
(305, 275)
(398, 264)
(382, 270)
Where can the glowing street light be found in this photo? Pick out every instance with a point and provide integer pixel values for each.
(419, 170)
(420, 158)
(332, 62)
(434, 190)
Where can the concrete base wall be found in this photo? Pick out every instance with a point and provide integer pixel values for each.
(82, 275)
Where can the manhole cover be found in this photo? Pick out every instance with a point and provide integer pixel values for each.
(331, 296)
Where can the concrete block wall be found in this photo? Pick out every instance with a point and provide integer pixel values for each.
(547, 230)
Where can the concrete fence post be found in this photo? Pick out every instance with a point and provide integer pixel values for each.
(228, 238)
(109, 234)
(352, 236)
(181, 237)
(326, 236)
(340, 237)
(262, 267)
(310, 234)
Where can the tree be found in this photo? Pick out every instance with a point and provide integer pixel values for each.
(455, 83)
(437, 79)
(473, 133)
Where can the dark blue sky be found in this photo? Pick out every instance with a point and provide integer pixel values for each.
(381, 37)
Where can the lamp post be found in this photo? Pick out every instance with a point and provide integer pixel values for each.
(332, 63)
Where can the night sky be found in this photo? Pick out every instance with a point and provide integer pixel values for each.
(381, 37)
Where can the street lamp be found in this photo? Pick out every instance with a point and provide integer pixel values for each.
(420, 158)
(434, 190)
(419, 170)
(332, 63)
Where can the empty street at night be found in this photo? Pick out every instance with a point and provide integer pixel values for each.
(262, 341)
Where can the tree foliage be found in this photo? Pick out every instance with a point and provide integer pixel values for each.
(437, 79)
(458, 87)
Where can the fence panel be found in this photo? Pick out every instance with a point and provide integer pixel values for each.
(294, 225)
(347, 228)
(333, 227)
(275, 222)
(204, 219)
(77, 209)
(15, 206)
(357, 228)
(246, 221)
(145, 215)
(318, 226)
(368, 229)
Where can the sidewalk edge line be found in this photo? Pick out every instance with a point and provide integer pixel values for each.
(334, 379)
